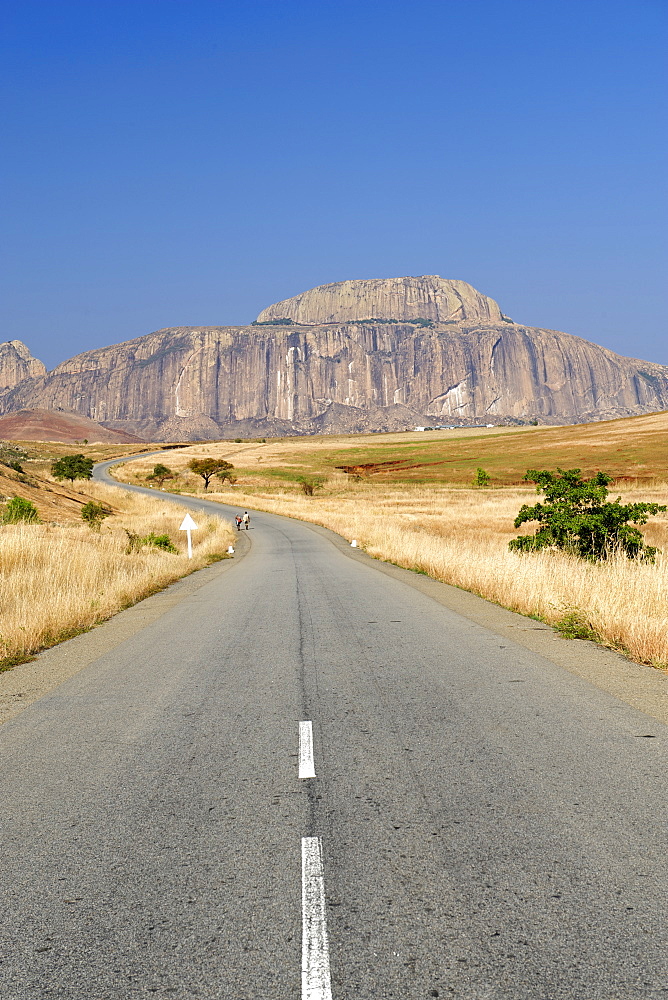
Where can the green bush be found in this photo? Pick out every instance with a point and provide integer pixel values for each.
(93, 514)
(577, 518)
(574, 624)
(136, 542)
(283, 321)
(481, 478)
(160, 542)
(19, 510)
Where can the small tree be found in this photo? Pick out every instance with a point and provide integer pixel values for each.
(227, 474)
(18, 510)
(309, 484)
(161, 473)
(481, 477)
(207, 468)
(93, 514)
(577, 518)
(72, 467)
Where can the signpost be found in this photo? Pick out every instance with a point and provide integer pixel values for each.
(188, 525)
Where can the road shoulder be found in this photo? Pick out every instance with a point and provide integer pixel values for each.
(27, 682)
(635, 684)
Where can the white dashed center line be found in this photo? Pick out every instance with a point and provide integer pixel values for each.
(306, 762)
(316, 980)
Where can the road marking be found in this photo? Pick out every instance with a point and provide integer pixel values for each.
(306, 762)
(316, 981)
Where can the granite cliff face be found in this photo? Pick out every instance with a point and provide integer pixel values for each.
(429, 297)
(349, 373)
(17, 363)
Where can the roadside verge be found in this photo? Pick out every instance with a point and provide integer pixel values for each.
(27, 682)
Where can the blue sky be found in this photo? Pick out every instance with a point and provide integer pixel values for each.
(184, 163)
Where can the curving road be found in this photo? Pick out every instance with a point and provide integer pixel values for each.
(482, 824)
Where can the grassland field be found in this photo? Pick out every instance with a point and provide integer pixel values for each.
(59, 577)
(423, 512)
(426, 515)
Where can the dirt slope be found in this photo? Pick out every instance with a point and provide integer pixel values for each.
(57, 425)
(54, 501)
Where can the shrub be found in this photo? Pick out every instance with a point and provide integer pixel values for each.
(481, 478)
(163, 542)
(283, 321)
(577, 519)
(309, 484)
(18, 510)
(136, 542)
(72, 467)
(574, 624)
(93, 514)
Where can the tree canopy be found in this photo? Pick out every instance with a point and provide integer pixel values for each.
(161, 473)
(207, 468)
(72, 467)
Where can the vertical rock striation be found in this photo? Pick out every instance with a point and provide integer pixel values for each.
(347, 372)
(16, 364)
(429, 297)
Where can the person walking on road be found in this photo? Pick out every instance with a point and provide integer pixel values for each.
(237, 521)
(246, 519)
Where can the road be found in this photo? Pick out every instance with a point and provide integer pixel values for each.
(482, 824)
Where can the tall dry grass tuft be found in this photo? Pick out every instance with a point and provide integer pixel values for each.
(460, 536)
(58, 580)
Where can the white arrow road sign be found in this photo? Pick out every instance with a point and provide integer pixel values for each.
(188, 525)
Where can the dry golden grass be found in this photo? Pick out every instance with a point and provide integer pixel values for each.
(56, 581)
(631, 449)
(461, 537)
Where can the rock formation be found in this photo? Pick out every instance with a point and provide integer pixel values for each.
(429, 297)
(349, 373)
(17, 363)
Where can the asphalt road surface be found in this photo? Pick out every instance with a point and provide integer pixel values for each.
(481, 823)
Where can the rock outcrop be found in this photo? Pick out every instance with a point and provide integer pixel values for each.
(349, 374)
(17, 363)
(429, 297)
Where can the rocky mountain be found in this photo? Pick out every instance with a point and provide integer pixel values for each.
(429, 297)
(353, 356)
(16, 364)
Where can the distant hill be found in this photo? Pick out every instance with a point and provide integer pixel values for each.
(380, 354)
(50, 425)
